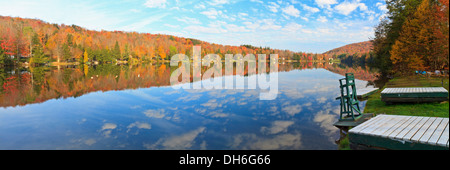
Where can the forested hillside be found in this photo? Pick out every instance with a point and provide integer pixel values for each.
(37, 42)
(353, 54)
(351, 49)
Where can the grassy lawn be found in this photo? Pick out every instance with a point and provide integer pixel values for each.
(375, 105)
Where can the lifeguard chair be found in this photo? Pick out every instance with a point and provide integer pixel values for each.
(349, 103)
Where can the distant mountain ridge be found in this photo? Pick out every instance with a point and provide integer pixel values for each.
(351, 49)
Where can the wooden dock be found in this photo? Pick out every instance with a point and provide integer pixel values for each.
(402, 133)
(346, 124)
(363, 92)
(414, 94)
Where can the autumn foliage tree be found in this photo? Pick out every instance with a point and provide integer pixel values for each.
(441, 32)
(3, 55)
(161, 52)
(85, 57)
(388, 31)
(413, 37)
(116, 51)
(417, 47)
(38, 57)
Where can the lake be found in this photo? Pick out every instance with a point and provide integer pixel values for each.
(134, 107)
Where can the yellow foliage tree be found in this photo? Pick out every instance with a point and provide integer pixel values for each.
(161, 52)
(85, 57)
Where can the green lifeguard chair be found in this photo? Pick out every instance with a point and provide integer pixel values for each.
(349, 103)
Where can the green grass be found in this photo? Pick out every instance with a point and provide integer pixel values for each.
(344, 144)
(418, 81)
(375, 105)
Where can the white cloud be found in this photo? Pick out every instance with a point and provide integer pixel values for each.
(310, 9)
(322, 19)
(325, 3)
(107, 129)
(277, 127)
(218, 27)
(258, 1)
(182, 141)
(212, 104)
(251, 25)
(135, 10)
(273, 7)
(291, 10)
(382, 7)
(363, 7)
(268, 24)
(188, 20)
(265, 24)
(211, 13)
(292, 110)
(200, 6)
(325, 120)
(160, 113)
(292, 27)
(218, 2)
(155, 3)
(295, 2)
(346, 7)
(190, 97)
(109, 126)
(241, 14)
(140, 25)
(140, 125)
(172, 26)
(325, 31)
(277, 142)
(235, 28)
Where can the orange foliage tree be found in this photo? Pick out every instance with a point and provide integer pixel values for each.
(413, 49)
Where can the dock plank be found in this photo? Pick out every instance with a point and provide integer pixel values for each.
(366, 124)
(375, 125)
(403, 127)
(444, 137)
(438, 133)
(414, 129)
(387, 125)
(362, 93)
(423, 129)
(397, 126)
(431, 129)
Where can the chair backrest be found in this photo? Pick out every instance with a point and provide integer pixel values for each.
(350, 81)
(350, 78)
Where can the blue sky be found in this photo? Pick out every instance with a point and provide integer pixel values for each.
(298, 25)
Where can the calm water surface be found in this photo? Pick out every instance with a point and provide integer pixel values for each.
(134, 108)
